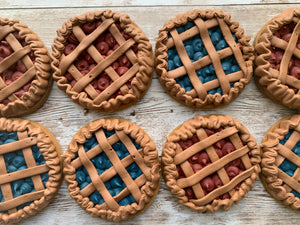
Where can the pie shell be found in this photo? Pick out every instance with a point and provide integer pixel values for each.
(51, 150)
(149, 190)
(140, 82)
(186, 131)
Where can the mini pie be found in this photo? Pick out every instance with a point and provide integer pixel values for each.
(112, 169)
(25, 79)
(203, 58)
(210, 162)
(102, 60)
(281, 161)
(277, 47)
(30, 171)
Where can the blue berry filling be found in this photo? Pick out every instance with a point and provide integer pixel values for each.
(101, 162)
(287, 166)
(196, 50)
(15, 161)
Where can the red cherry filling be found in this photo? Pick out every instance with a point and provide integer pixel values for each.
(285, 33)
(16, 70)
(201, 159)
(106, 44)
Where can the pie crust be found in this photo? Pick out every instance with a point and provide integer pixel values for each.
(210, 162)
(36, 153)
(139, 151)
(211, 56)
(124, 88)
(25, 79)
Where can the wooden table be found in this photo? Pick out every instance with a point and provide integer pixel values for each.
(157, 113)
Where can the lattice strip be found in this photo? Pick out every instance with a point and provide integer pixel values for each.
(98, 183)
(76, 163)
(213, 55)
(213, 156)
(18, 175)
(233, 45)
(97, 57)
(5, 188)
(286, 148)
(85, 42)
(5, 30)
(137, 157)
(291, 81)
(282, 44)
(125, 192)
(90, 90)
(30, 161)
(288, 54)
(13, 58)
(107, 175)
(224, 189)
(11, 204)
(120, 40)
(186, 61)
(188, 171)
(14, 146)
(84, 81)
(16, 45)
(111, 89)
(237, 143)
(294, 184)
(192, 32)
(215, 166)
(16, 85)
(117, 164)
(204, 61)
(197, 147)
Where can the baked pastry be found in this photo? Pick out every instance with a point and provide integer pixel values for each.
(210, 162)
(277, 62)
(102, 60)
(281, 161)
(25, 79)
(30, 170)
(203, 58)
(112, 169)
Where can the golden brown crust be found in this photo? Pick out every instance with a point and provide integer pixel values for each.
(185, 132)
(50, 149)
(141, 80)
(41, 84)
(192, 98)
(150, 160)
(271, 83)
(271, 176)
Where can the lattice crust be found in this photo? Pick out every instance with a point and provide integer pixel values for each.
(277, 182)
(143, 189)
(278, 84)
(83, 92)
(29, 134)
(173, 155)
(37, 73)
(204, 20)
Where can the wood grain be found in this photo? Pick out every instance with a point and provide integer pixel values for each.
(157, 113)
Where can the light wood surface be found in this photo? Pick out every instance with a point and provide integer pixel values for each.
(157, 113)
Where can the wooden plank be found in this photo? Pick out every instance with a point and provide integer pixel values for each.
(134, 3)
(157, 113)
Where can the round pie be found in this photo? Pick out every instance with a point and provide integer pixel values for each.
(30, 170)
(102, 60)
(277, 47)
(210, 162)
(281, 161)
(112, 169)
(25, 79)
(203, 58)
